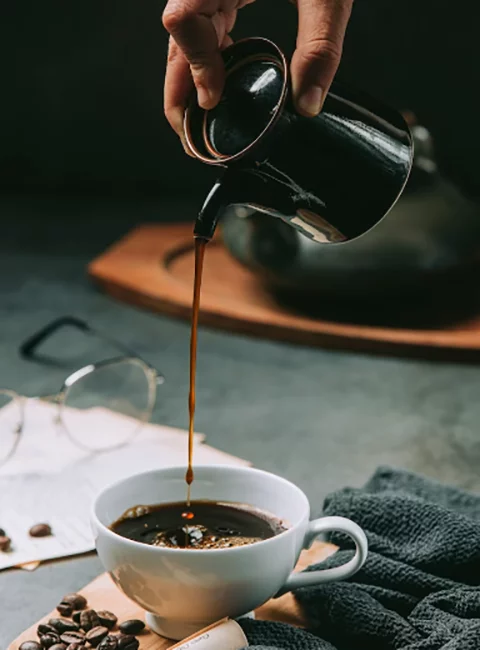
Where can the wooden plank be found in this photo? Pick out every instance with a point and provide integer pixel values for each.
(152, 267)
(102, 593)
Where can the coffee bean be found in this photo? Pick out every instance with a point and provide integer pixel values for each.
(107, 619)
(73, 637)
(108, 643)
(96, 634)
(58, 646)
(77, 601)
(63, 625)
(65, 609)
(88, 619)
(43, 628)
(5, 543)
(75, 646)
(133, 626)
(30, 645)
(40, 530)
(127, 642)
(49, 639)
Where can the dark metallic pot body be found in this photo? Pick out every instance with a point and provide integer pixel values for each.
(430, 233)
(332, 177)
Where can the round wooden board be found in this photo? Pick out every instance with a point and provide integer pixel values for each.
(152, 267)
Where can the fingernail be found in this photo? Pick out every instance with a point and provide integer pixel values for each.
(310, 102)
(204, 97)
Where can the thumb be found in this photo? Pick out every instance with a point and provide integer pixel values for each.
(321, 30)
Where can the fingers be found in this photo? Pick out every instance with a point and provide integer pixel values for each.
(321, 30)
(191, 24)
(178, 84)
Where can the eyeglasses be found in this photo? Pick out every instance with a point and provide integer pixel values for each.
(126, 385)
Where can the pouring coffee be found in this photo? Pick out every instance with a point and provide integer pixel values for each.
(332, 177)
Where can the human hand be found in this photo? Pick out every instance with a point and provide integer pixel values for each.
(199, 30)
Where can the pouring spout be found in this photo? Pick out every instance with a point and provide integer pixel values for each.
(241, 186)
(233, 187)
(211, 211)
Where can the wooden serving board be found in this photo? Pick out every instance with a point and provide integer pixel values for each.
(102, 594)
(152, 267)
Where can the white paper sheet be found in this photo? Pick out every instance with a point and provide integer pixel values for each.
(50, 480)
(45, 447)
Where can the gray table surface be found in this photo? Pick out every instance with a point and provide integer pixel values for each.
(322, 419)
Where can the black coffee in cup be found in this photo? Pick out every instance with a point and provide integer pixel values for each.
(199, 525)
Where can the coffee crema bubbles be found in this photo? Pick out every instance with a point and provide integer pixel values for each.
(198, 525)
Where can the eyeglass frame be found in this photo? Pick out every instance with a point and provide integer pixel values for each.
(27, 351)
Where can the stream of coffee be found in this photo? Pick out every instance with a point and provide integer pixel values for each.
(200, 245)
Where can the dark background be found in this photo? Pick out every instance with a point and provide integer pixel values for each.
(81, 102)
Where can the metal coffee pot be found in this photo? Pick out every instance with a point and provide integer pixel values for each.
(332, 177)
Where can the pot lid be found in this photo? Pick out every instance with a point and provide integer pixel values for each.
(252, 93)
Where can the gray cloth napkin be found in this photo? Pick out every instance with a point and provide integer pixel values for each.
(419, 588)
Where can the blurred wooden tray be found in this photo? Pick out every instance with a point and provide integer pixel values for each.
(102, 594)
(152, 267)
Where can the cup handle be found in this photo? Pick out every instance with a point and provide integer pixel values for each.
(316, 528)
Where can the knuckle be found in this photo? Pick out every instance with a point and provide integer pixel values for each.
(174, 16)
(323, 49)
(197, 66)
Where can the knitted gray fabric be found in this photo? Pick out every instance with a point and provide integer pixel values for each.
(419, 588)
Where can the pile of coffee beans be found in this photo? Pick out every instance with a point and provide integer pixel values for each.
(80, 628)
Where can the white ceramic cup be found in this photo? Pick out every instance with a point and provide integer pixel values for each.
(184, 590)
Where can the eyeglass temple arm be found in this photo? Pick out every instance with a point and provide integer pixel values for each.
(27, 348)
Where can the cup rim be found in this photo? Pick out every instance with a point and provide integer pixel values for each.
(148, 548)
